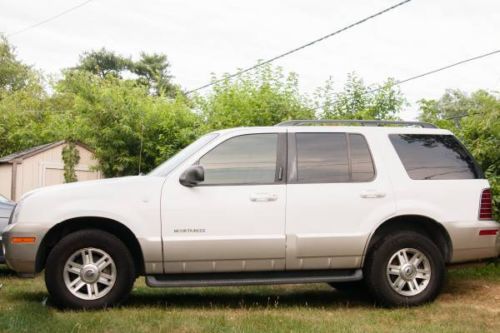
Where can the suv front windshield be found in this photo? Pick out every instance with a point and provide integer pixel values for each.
(166, 167)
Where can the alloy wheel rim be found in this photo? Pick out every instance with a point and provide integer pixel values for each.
(408, 272)
(89, 273)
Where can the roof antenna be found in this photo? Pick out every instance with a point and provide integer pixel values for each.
(140, 150)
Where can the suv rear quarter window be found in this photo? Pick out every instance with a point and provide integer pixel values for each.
(361, 160)
(429, 156)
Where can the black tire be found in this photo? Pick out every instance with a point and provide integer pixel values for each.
(375, 270)
(89, 238)
(349, 287)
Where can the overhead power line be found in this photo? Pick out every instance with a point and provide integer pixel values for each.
(47, 20)
(437, 70)
(352, 25)
(418, 76)
(461, 116)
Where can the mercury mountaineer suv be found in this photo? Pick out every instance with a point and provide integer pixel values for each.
(386, 205)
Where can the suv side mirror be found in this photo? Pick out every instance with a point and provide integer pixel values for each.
(192, 176)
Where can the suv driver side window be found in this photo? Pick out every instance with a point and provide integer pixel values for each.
(245, 159)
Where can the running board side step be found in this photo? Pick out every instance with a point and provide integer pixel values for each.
(252, 278)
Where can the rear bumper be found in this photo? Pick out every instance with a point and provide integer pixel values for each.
(468, 242)
(22, 257)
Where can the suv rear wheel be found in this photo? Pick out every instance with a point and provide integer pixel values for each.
(89, 269)
(406, 269)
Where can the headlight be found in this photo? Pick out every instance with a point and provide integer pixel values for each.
(14, 215)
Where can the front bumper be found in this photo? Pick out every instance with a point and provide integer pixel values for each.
(22, 257)
(469, 244)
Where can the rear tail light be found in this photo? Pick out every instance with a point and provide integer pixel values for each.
(486, 207)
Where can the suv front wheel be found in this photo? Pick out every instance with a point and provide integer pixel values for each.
(89, 269)
(405, 269)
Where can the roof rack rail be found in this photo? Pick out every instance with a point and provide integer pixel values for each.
(360, 122)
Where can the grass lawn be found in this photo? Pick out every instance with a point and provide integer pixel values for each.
(470, 302)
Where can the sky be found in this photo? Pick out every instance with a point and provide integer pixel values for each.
(219, 36)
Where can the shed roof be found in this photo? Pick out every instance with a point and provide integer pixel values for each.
(20, 155)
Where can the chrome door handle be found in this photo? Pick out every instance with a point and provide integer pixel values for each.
(263, 197)
(372, 194)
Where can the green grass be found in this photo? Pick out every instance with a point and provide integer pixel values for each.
(470, 302)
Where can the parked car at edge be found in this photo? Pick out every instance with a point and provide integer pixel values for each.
(6, 207)
(386, 206)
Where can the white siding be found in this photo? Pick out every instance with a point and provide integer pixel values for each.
(5, 180)
(46, 168)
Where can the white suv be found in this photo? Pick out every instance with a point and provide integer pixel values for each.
(386, 204)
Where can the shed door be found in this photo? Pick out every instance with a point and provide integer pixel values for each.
(53, 176)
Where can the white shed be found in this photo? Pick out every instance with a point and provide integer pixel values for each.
(41, 166)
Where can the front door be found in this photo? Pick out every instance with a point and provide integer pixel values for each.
(234, 220)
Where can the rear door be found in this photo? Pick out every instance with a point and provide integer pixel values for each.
(337, 190)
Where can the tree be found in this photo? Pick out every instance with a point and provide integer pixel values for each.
(153, 71)
(259, 98)
(267, 96)
(15, 75)
(103, 62)
(125, 117)
(358, 101)
(22, 98)
(448, 111)
(475, 119)
(125, 125)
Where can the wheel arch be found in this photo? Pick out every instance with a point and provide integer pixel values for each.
(58, 231)
(425, 225)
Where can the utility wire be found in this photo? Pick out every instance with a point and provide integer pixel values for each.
(418, 76)
(47, 20)
(437, 70)
(300, 47)
(461, 116)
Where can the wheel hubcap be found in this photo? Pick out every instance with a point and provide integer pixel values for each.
(89, 273)
(408, 272)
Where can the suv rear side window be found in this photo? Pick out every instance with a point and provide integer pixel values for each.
(361, 160)
(427, 156)
(332, 158)
(245, 159)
